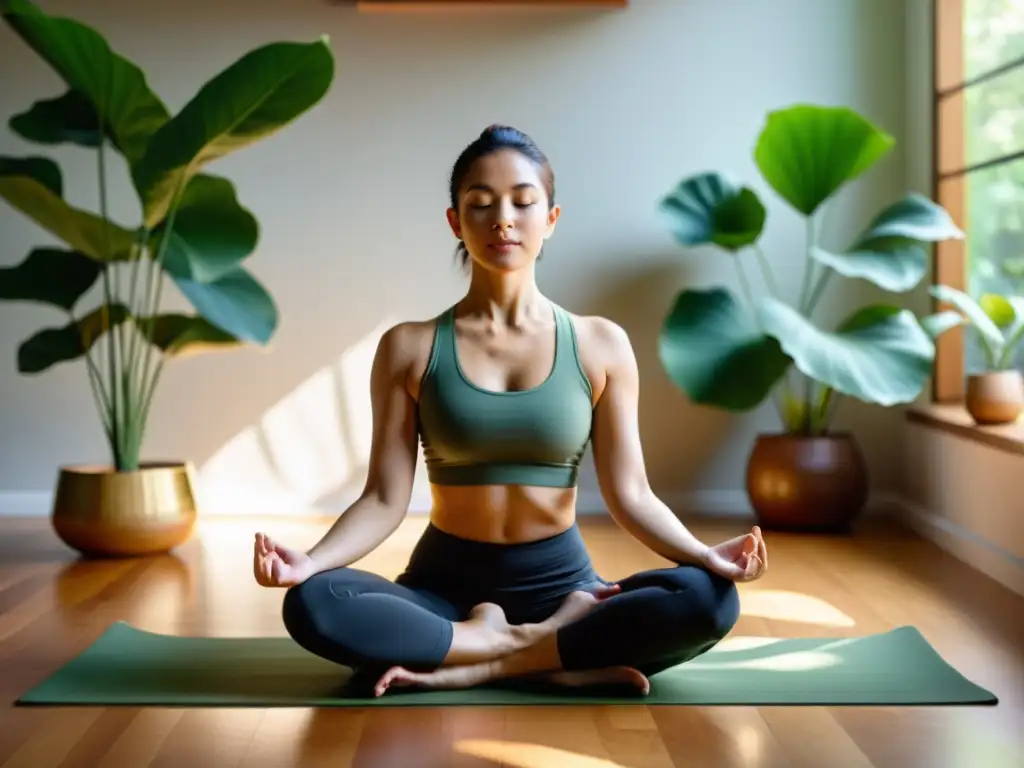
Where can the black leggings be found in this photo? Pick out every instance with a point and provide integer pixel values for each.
(662, 617)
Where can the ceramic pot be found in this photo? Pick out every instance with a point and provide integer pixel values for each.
(996, 397)
(807, 483)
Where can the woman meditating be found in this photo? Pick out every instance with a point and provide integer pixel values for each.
(506, 389)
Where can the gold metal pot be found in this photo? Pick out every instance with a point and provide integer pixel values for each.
(102, 512)
(804, 483)
(996, 397)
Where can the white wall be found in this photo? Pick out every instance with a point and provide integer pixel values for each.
(351, 204)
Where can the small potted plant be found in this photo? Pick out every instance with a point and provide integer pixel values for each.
(192, 231)
(726, 355)
(994, 395)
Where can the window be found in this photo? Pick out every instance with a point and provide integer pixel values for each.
(979, 163)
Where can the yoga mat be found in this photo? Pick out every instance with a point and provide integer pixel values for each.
(128, 666)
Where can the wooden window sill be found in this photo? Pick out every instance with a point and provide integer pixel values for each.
(955, 420)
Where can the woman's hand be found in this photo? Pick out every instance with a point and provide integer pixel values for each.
(275, 565)
(743, 558)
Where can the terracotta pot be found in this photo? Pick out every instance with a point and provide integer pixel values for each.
(801, 483)
(996, 397)
(102, 512)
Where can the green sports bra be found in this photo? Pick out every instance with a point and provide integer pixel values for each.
(473, 436)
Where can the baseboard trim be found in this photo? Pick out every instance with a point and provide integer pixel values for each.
(979, 553)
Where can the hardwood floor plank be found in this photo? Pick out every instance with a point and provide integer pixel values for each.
(142, 738)
(53, 605)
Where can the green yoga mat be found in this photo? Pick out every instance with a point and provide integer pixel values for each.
(128, 666)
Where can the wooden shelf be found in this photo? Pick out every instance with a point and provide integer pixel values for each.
(955, 420)
(430, 6)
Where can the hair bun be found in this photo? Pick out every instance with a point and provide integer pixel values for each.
(495, 128)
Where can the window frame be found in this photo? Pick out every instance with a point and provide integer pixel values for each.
(949, 179)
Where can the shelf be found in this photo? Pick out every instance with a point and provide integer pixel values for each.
(430, 6)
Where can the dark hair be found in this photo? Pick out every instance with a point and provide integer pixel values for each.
(492, 139)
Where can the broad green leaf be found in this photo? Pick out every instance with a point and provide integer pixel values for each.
(252, 99)
(177, 335)
(712, 351)
(236, 303)
(880, 354)
(710, 208)
(50, 276)
(212, 232)
(990, 335)
(70, 119)
(897, 270)
(937, 324)
(117, 88)
(1013, 333)
(912, 218)
(35, 196)
(890, 252)
(51, 346)
(998, 309)
(807, 152)
(42, 169)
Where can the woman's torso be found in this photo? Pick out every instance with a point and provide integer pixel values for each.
(501, 374)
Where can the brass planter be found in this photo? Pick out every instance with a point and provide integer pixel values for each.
(996, 397)
(105, 513)
(802, 483)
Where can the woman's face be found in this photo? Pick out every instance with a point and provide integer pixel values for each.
(503, 215)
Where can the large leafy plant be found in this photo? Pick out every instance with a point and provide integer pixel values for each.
(998, 322)
(192, 229)
(727, 355)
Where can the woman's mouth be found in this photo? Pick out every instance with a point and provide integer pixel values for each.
(503, 246)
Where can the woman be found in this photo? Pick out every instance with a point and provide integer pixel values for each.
(506, 389)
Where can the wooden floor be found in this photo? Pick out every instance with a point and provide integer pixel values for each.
(53, 605)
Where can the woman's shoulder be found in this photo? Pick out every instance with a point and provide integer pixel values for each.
(600, 335)
(405, 349)
(604, 348)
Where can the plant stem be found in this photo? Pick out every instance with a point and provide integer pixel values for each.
(147, 384)
(808, 413)
(766, 271)
(819, 289)
(749, 294)
(96, 385)
(108, 299)
(148, 396)
(745, 287)
(808, 266)
(131, 369)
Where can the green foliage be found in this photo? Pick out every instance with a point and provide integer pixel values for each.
(729, 358)
(193, 229)
(998, 322)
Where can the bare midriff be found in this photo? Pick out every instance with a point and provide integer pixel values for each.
(503, 514)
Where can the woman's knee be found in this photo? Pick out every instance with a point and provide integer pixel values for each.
(301, 605)
(709, 601)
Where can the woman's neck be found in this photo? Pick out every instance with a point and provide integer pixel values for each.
(510, 298)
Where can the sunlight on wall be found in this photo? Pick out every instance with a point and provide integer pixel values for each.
(783, 605)
(522, 755)
(309, 452)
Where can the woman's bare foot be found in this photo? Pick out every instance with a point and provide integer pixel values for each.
(495, 639)
(627, 677)
(577, 605)
(471, 675)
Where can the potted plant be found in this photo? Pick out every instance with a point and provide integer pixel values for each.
(726, 355)
(994, 395)
(192, 230)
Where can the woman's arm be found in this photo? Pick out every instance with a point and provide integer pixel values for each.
(618, 456)
(384, 502)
